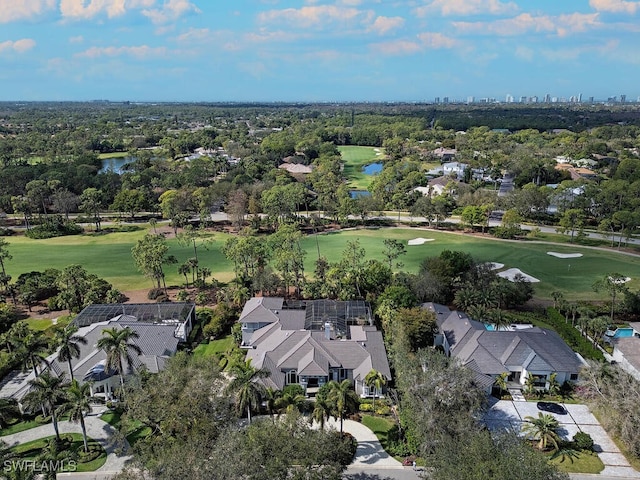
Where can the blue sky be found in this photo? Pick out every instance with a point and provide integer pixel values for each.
(317, 50)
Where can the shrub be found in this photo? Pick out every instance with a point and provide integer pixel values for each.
(366, 407)
(154, 293)
(55, 226)
(583, 441)
(85, 457)
(6, 232)
(356, 417)
(41, 420)
(572, 336)
(382, 410)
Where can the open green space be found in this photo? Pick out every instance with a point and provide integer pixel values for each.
(572, 276)
(105, 156)
(355, 158)
(31, 451)
(584, 462)
(380, 426)
(109, 256)
(215, 347)
(135, 432)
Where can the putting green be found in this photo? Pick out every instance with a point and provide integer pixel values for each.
(109, 256)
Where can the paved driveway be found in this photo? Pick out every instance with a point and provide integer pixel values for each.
(505, 414)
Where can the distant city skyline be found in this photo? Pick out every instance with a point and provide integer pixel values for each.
(318, 50)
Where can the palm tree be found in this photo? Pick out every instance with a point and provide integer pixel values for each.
(321, 411)
(46, 392)
(8, 411)
(530, 383)
(554, 385)
(118, 346)
(69, 345)
(501, 382)
(544, 428)
(271, 396)
(498, 318)
(33, 351)
(78, 405)
(246, 387)
(343, 399)
(291, 401)
(376, 380)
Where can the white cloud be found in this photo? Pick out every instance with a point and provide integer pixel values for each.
(170, 11)
(382, 25)
(78, 39)
(12, 10)
(140, 52)
(87, 9)
(425, 41)
(524, 23)
(18, 46)
(615, 6)
(467, 7)
(436, 40)
(312, 16)
(397, 47)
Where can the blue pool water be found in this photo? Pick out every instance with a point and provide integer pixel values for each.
(490, 327)
(623, 333)
(372, 168)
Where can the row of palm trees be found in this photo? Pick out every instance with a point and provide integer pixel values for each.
(56, 396)
(339, 401)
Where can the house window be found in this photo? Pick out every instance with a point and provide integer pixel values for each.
(540, 381)
(343, 373)
(291, 377)
(574, 377)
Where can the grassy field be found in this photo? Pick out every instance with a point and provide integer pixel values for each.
(380, 426)
(214, 347)
(574, 276)
(104, 156)
(355, 158)
(586, 462)
(109, 256)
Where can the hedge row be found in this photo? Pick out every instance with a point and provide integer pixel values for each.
(572, 336)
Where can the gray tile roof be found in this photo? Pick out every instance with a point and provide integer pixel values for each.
(494, 352)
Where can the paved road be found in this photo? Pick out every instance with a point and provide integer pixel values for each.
(96, 429)
(505, 414)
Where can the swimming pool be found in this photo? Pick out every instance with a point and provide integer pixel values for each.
(620, 333)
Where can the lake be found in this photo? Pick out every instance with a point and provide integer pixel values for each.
(372, 168)
(115, 164)
(359, 193)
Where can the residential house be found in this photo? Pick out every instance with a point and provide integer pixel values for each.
(310, 343)
(517, 350)
(157, 340)
(626, 348)
(436, 186)
(444, 154)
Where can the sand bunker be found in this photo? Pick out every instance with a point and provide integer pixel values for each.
(621, 280)
(511, 273)
(564, 255)
(495, 265)
(420, 241)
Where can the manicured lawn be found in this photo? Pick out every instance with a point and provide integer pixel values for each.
(104, 156)
(355, 158)
(109, 256)
(380, 426)
(136, 432)
(586, 462)
(574, 276)
(31, 450)
(214, 347)
(19, 426)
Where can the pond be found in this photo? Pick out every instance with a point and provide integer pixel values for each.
(372, 168)
(115, 164)
(359, 193)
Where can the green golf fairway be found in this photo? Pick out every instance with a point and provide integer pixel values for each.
(109, 256)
